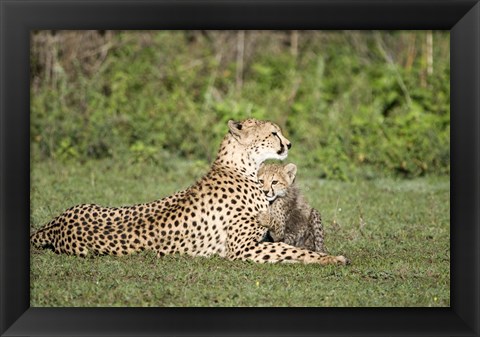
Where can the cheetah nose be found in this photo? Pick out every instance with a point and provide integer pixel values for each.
(289, 145)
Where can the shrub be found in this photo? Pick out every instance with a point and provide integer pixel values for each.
(353, 104)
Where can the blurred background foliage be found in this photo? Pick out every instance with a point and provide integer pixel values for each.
(354, 104)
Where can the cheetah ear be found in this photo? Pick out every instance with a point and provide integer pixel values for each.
(260, 169)
(291, 171)
(235, 128)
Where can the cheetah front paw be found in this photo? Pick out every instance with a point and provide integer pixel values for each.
(338, 260)
(264, 219)
(342, 260)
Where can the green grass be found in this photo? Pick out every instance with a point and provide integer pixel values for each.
(396, 232)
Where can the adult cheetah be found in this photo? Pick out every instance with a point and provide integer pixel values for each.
(216, 215)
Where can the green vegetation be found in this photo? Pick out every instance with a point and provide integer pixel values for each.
(119, 118)
(396, 232)
(355, 104)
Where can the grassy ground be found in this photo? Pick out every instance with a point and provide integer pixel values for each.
(396, 232)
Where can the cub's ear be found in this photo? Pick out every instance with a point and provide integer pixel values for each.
(291, 171)
(235, 128)
(261, 169)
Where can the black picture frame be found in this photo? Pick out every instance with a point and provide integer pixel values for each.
(19, 17)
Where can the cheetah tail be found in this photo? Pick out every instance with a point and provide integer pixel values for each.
(41, 238)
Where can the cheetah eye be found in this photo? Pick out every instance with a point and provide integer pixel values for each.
(260, 181)
(274, 182)
(274, 133)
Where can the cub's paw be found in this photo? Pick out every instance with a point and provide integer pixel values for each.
(264, 219)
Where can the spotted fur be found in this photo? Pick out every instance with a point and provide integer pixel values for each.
(216, 215)
(290, 218)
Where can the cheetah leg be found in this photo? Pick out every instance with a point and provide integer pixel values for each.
(248, 246)
(297, 239)
(315, 222)
(274, 252)
(276, 228)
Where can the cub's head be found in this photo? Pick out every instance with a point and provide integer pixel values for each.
(276, 179)
(262, 139)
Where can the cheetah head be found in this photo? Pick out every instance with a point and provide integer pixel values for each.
(276, 179)
(261, 139)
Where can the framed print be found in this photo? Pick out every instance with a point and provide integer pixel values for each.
(70, 70)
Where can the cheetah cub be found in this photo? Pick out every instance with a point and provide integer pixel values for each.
(289, 218)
